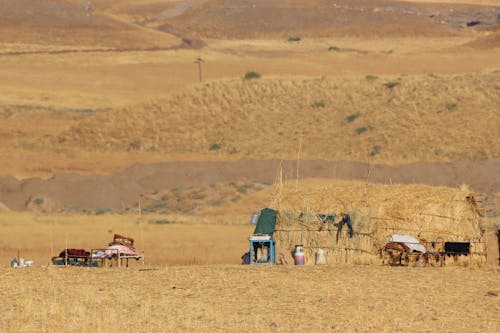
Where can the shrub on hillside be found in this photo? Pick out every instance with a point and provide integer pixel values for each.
(352, 117)
(215, 146)
(375, 150)
(294, 39)
(252, 75)
(318, 104)
(391, 84)
(101, 211)
(134, 145)
(360, 130)
(451, 106)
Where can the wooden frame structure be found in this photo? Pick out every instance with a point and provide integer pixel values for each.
(117, 257)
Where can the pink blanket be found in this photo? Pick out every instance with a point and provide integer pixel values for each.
(124, 250)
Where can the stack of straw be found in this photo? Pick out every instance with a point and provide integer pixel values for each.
(432, 214)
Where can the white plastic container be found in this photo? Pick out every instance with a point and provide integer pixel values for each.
(255, 217)
(320, 257)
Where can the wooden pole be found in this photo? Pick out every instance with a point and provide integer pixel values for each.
(199, 61)
(140, 228)
(51, 235)
(66, 251)
(298, 162)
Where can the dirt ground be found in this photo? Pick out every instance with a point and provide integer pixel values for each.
(121, 191)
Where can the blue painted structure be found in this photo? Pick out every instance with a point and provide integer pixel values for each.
(265, 245)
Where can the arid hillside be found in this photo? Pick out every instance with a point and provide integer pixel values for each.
(362, 18)
(96, 87)
(50, 26)
(172, 121)
(382, 119)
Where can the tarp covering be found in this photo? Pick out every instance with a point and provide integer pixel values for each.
(327, 218)
(409, 241)
(266, 222)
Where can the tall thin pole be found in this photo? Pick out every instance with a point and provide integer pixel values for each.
(298, 162)
(140, 227)
(199, 61)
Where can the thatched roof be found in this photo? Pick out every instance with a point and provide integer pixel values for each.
(432, 214)
(417, 207)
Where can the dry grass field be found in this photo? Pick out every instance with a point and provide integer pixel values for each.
(123, 87)
(231, 298)
(102, 99)
(183, 240)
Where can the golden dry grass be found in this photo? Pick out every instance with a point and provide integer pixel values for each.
(184, 240)
(249, 299)
(79, 112)
(204, 295)
(134, 84)
(357, 119)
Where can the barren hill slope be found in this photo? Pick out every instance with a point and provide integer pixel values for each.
(364, 18)
(389, 119)
(72, 23)
(488, 42)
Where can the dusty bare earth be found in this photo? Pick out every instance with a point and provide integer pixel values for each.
(64, 192)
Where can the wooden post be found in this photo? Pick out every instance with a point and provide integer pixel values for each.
(298, 161)
(66, 251)
(199, 61)
(140, 228)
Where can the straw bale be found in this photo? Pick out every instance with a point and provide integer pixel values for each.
(432, 214)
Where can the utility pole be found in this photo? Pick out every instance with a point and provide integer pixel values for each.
(199, 61)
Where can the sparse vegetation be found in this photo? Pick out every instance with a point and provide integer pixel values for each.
(352, 117)
(391, 84)
(243, 189)
(361, 130)
(215, 146)
(216, 202)
(376, 149)
(160, 221)
(252, 75)
(76, 209)
(318, 104)
(101, 211)
(39, 200)
(198, 195)
(135, 145)
(480, 155)
(89, 91)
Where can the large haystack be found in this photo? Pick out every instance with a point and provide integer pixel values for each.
(432, 214)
